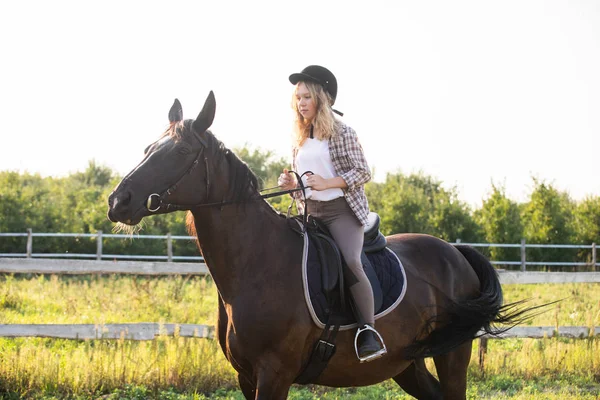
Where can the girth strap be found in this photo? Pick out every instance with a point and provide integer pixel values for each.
(322, 352)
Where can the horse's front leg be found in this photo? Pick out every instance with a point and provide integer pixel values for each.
(248, 387)
(274, 379)
(272, 384)
(273, 389)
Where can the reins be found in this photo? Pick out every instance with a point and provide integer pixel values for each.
(161, 204)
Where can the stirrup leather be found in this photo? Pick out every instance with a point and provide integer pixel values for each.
(375, 355)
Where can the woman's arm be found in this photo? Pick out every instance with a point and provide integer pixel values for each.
(317, 182)
(360, 172)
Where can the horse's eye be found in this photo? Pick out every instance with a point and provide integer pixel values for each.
(183, 151)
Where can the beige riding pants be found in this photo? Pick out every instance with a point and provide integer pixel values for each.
(348, 233)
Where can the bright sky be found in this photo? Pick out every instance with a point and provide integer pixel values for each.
(469, 92)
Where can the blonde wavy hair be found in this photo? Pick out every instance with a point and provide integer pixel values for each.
(325, 124)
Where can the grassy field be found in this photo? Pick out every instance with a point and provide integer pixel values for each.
(188, 368)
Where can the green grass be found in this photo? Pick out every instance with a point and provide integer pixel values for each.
(502, 387)
(191, 368)
(579, 305)
(58, 366)
(106, 299)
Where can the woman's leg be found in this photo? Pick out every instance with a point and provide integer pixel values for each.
(348, 233)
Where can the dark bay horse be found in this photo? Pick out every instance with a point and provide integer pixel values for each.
(264, 326)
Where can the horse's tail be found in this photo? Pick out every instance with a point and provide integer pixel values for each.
(468, 319)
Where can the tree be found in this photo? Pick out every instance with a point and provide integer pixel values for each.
(94, 175)
(267, 167)
(263, 163)
(451, 218)
(406, 203)
(500, 222)
(403, 208)
(419, 204)
(548, 218)
(587, 221)
(587, 225)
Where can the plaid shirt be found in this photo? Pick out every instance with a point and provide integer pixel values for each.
(350, 163)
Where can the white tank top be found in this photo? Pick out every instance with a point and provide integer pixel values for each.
(314, 156)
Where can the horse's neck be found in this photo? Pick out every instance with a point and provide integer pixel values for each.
(236, 241)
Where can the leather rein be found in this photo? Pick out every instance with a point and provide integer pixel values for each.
(156, 201)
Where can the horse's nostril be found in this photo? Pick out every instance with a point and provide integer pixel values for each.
(126, 199)
(110, 216)
(120, 201)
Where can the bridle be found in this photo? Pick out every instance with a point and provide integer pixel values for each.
(162, 196)
(168, 207)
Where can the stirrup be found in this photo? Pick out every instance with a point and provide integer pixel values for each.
(375, 355)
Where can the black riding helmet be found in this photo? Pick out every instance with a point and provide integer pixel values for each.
(320, 75)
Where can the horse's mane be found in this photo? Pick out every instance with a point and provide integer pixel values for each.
(243, 177)
(190, 226)
(244, 182)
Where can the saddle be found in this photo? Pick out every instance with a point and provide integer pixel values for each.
(334, 270)
(325, 286)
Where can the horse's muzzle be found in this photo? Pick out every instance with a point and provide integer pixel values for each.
(119, 206)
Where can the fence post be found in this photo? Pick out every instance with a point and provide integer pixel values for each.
(523, 256)
(99, 246)
(593, 256)
(169, 247)
(483, 342)
(29, 242)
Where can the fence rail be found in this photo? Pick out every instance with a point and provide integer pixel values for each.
(170, 257)
(524, 246)
(99, 255)
(81, 267)
(134, 331)
(150, 330)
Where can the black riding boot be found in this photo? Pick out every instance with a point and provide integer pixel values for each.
(370, 344)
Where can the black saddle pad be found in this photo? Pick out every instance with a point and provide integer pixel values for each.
(388, 268)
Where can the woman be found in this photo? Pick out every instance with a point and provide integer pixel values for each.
(330, 149)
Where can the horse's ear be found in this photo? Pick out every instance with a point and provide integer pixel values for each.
(207, 115)
(176, 112)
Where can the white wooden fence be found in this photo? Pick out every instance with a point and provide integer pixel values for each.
(134, 331)
(30, 262)
(79, 267)
(150, 330)
(99, 236)
(147, 331)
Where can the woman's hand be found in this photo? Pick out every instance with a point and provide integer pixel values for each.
(286, 180)
(317, 182)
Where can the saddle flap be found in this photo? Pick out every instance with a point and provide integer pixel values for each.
(330, 259)
(390, 286)
(375, 284)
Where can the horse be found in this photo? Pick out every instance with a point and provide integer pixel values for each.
(264, 328)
